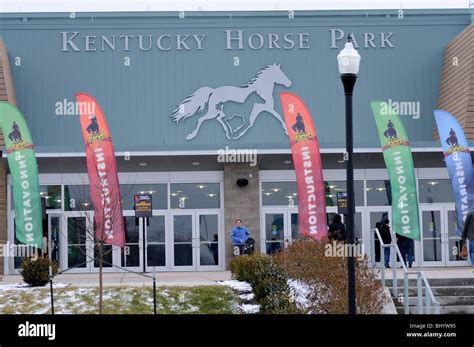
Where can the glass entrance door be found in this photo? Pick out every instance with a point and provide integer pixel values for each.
(275, 230)
(155, 242)
(441, 244)
(53, 244)
(80, 253)
(76, 252)
(453, 241)
(432, 221)
(196, 240)
(280, 228)
(131, 254)
(374, 216)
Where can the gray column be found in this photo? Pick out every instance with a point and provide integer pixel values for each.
(241, 203)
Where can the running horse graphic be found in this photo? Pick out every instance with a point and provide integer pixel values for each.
(452, 140)
(215, 98)
(391, 132)
(15, 135)
(93, 128)
(298, 127)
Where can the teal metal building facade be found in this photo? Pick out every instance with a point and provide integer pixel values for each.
(148, 70)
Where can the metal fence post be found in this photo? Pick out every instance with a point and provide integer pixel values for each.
(420, 294)
(406, 293)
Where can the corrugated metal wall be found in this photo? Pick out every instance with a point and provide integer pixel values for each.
(138, 99)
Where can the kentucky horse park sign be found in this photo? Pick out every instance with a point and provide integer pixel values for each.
(232, 40)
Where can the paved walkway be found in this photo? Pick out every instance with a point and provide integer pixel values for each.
(131, 279)
(208, 278)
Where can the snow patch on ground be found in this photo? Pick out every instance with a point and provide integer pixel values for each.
(245, 294)
(24, 286)
(249, 308)
(237, 285)
(247, 297)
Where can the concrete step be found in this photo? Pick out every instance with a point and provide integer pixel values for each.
(435, 282)
(442, 291)
(443, 301)
(461, 309)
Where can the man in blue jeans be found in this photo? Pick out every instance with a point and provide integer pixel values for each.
(240, 234)
(468, 233)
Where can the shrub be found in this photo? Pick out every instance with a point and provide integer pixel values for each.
(36, 272)
(307, 262)
(268, 280)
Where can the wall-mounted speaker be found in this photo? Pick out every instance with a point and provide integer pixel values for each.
(242, 182)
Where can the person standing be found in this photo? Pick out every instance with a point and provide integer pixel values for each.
(386, 236)
(239, 235)
(468, 233)
(337, 230)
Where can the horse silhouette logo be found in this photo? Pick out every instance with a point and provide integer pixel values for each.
(452, 140)
(93, 128)
(210, 102)
(391, 132)
(15, 135)
(298, 127)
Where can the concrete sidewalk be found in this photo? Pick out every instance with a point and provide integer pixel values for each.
(131, 279)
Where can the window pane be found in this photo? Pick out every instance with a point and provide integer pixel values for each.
(209, 253)
(158, 192)
(379, 193)
(183, 255)
(131, 229)
(156, 229)
(106, 256)
(333, 187)
(51, 195)
(208, 228)
(286, 193)
(183, 228)
(156, 255)
(195, 195)
(133, 258)
(76, 230)
(274, 226)
(279, 194)
(434, 190)
(77, 198)
(76, 255)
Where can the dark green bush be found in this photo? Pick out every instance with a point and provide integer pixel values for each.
(36, 272)
(268, 279)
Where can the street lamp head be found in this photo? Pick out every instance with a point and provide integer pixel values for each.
(348, 59)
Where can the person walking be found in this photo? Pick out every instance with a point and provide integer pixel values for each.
(403, 245)
(468, 234)
(239, 235)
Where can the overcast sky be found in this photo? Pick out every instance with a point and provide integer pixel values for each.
(219, 5)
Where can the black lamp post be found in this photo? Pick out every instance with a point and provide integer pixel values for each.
(348, 61)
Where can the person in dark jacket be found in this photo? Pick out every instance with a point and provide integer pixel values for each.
(386, 236)
(468, 233)
(337, 230)
(403, 243)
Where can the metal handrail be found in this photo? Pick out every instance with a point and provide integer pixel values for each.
(430, 300)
